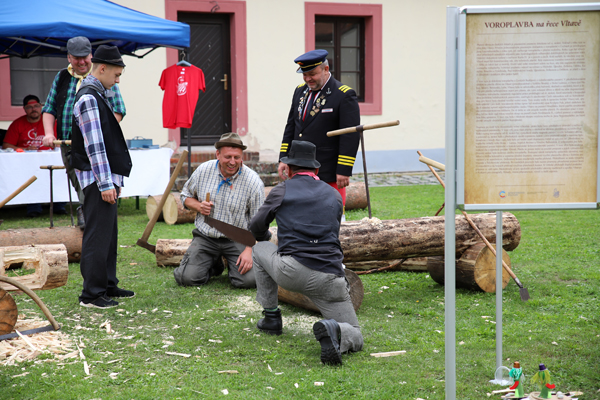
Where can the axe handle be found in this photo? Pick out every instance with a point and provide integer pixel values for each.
(163, 199)
(59, 142)
(432, 163)
(19, 190)
(363, 127)
(52, 167)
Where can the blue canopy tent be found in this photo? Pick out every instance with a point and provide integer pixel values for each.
(42, 28)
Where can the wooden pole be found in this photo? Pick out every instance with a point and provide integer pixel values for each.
(19, 190)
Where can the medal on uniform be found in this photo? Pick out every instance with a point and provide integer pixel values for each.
(312, 113)
(323, 102)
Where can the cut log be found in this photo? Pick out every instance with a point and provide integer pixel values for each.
(356, 195)
(372, 240)
(49, 262)
(8, 312)
(169, 252)
(70, 236)
(175, 213)
(420, 237)
(151, 205)
(475, 269)
(357, 293)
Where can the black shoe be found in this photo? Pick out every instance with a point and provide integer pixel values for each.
(118, 292)
(271, 323)
(80, 218)
(327, 332)
(100, 302)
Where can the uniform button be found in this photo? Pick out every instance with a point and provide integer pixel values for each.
(300, 135)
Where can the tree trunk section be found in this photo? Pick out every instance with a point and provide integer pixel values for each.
(357, 293)
(356, 195)
(417, 264)
(70, 236)
(151, 205)
(8, 312)
(376, 240)
(475, 269)
(175, 213)
(50, 263)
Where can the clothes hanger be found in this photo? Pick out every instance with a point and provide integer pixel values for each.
(183, 62)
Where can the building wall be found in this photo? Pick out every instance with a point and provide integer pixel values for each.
(413, 78)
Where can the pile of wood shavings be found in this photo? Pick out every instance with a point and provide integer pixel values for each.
(375, 222)
(17, 350)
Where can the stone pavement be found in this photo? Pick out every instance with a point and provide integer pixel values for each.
(400, 178)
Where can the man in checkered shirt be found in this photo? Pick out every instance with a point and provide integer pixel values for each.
(59, 106)
(236, 193)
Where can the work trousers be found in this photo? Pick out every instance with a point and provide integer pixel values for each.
(201, 261)
(99, 246)
(330, 293)
(65, 152)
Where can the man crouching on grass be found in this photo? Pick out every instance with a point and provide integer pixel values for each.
(309, 257)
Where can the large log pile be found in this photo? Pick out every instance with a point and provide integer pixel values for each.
(375, 240)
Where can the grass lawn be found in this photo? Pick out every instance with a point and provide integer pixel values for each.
(558, 261)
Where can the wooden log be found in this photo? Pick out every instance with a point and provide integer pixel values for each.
(70, 236)
(50, 263)
(8, 312)
(356, 195)
(475, 269)
(175, 213)
(419, 237)
(357, 293)
(370, 240)
(151, 205)
(169, 252)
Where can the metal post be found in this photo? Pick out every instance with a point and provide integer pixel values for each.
(51, 199)
(498, 289)
(360, 130)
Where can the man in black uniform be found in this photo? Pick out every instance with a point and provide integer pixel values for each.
(320, 105)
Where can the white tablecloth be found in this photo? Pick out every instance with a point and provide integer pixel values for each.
(149, 176)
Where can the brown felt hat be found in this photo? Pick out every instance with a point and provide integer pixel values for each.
(230, 139)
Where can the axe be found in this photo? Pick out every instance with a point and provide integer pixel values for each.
(143, 241)
(360, 129)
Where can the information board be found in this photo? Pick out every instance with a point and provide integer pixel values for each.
(528, 109)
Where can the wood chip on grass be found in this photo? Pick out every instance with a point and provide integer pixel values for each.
(17, 350)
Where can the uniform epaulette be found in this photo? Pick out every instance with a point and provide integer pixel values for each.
(344, 88)
(300, 85)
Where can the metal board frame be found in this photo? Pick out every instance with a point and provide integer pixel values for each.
(461, 99)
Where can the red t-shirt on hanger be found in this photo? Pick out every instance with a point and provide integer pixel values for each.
(181, 85)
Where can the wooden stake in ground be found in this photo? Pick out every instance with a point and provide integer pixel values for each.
(143, 241)
(524, 293)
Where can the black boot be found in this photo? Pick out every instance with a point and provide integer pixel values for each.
(327, 332)
(271, 323)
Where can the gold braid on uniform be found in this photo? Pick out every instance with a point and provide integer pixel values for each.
(346, 160)
(284, 147)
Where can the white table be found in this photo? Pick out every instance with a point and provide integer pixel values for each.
(149, 176)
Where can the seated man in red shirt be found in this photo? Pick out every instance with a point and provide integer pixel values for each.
(27, 133)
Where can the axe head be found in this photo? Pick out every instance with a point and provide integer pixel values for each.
(146, 245)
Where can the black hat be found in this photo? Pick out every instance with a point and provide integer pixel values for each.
(302, 154)
(230, 139)
(30, 97)
(309, 61)
(79, 46)
(108, 55)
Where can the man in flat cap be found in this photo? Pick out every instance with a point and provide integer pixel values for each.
(308, 257)
(230, 192)
(60, 100)
(101, 161)
(319, 105)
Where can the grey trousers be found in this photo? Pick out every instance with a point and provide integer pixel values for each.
(65, 152)
(330, 293)
(202, 260)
